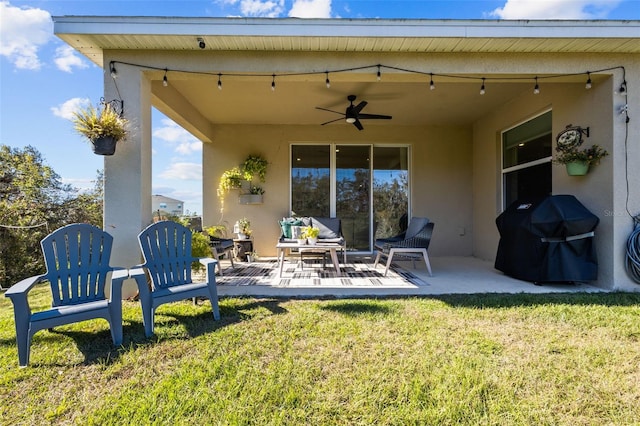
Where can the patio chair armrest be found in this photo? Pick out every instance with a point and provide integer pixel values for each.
(117, 280)
(23, 287)
(139, 274)
(210, 264)
(18, 294)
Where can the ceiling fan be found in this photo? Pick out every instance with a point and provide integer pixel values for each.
(352, 114)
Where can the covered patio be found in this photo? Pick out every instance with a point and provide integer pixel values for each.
(453, 88)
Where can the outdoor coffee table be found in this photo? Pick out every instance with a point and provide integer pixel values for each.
(331, 248)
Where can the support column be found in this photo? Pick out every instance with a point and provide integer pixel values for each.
(127, 174)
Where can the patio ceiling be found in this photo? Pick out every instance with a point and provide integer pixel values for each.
(405, 96)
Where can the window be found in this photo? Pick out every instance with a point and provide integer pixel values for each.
(163, 205)
(342, 181)
(526, 160)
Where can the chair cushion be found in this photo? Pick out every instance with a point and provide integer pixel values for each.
(329, 227)
(415, 225)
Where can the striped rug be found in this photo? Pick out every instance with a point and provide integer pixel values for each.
(354, 274)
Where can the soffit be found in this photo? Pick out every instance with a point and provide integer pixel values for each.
(92, 35)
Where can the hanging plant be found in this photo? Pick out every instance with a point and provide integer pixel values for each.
(230, 179)
(254, 166)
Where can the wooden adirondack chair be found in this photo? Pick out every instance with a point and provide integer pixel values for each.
(166, 247)
(77, 259)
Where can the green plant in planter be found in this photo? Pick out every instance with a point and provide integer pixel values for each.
(256, 190)
(253, 167)
(95, 123)
(590, 156)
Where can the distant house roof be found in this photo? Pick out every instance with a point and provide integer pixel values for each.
(157, 197)
(91, 35)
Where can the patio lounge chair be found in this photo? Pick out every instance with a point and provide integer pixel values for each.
(77, 260)
(220, 247)
(411, 244)
(166, 247)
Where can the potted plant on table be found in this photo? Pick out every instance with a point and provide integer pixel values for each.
(243, 227)
(103, 127)
(311, 234)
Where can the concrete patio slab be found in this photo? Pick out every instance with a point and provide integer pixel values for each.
(451, 275)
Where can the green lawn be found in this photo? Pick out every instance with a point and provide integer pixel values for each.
(476, 360)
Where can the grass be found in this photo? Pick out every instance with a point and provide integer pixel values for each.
(569, 359)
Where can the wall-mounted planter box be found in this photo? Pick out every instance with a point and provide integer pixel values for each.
(250, 199)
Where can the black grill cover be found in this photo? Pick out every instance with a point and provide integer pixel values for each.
(546, 240)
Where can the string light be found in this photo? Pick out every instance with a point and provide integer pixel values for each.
(623, 87)
(165, 82)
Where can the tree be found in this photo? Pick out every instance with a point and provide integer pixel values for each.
(34, 202)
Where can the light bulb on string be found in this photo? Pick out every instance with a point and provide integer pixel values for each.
(536, 88)
(379, 74)
(219, 81)
(273, 83)
(482, 91)
(165, 82)
(327, 82)
(432, 85)
(112, 70)
(588, 84)
(623, 87)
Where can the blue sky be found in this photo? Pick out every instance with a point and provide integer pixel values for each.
(42, 79)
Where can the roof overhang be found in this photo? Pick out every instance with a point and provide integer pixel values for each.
(91, 35)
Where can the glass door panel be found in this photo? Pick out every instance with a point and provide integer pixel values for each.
(390, 190)
(311, 180)
(353, 202)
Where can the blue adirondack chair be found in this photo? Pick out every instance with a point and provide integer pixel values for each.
(166, 247)
(77, 260)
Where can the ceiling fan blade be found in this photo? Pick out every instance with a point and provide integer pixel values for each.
(359, 107)
(327, 122)
(374, 116)
(358, 124)
(330, 110)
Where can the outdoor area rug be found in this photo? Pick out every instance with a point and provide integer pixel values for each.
(354, 274)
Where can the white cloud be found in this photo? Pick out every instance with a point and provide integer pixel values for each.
(183, 141)
(555, 9)
(66, 59)
(183, 171)
(65, 110)
(266, 9)
(311, 9)
(22, 32)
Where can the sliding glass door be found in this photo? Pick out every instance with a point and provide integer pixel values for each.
(365, 186)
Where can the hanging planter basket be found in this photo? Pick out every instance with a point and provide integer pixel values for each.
(577, 168)
(105, 145)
